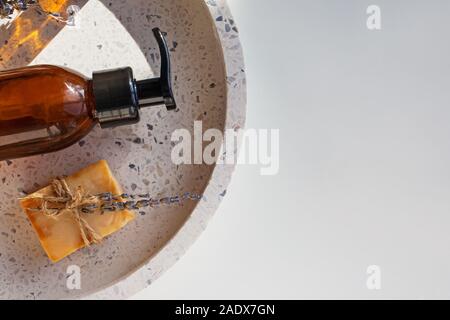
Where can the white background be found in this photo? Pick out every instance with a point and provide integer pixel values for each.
(364, 177)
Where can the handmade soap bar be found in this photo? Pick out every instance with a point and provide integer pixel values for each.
(61, 236)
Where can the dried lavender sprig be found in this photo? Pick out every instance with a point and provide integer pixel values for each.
(108, 196)
(112, 203)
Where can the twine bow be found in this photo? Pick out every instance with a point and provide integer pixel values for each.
(70, 202)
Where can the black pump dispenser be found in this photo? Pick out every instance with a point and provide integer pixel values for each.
(118, 96)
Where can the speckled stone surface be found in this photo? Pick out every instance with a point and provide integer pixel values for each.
(202, 36)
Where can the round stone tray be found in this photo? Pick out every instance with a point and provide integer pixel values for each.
(209, 84)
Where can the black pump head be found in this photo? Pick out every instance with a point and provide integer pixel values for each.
(118, 96)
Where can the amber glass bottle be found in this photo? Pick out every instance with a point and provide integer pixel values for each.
(48, 108)
(43, 109)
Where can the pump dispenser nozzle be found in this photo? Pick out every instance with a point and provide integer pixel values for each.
(118, 96)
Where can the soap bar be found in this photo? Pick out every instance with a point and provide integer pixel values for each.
(61, 236)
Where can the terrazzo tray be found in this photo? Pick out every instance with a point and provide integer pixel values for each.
(209, 84)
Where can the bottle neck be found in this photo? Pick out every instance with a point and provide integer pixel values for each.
(90, 101)
(115, 96)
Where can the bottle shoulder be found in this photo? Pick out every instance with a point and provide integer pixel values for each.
(44, 70)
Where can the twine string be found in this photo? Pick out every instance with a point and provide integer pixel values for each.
(70, 202)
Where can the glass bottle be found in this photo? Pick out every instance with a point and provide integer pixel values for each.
(47, 108)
